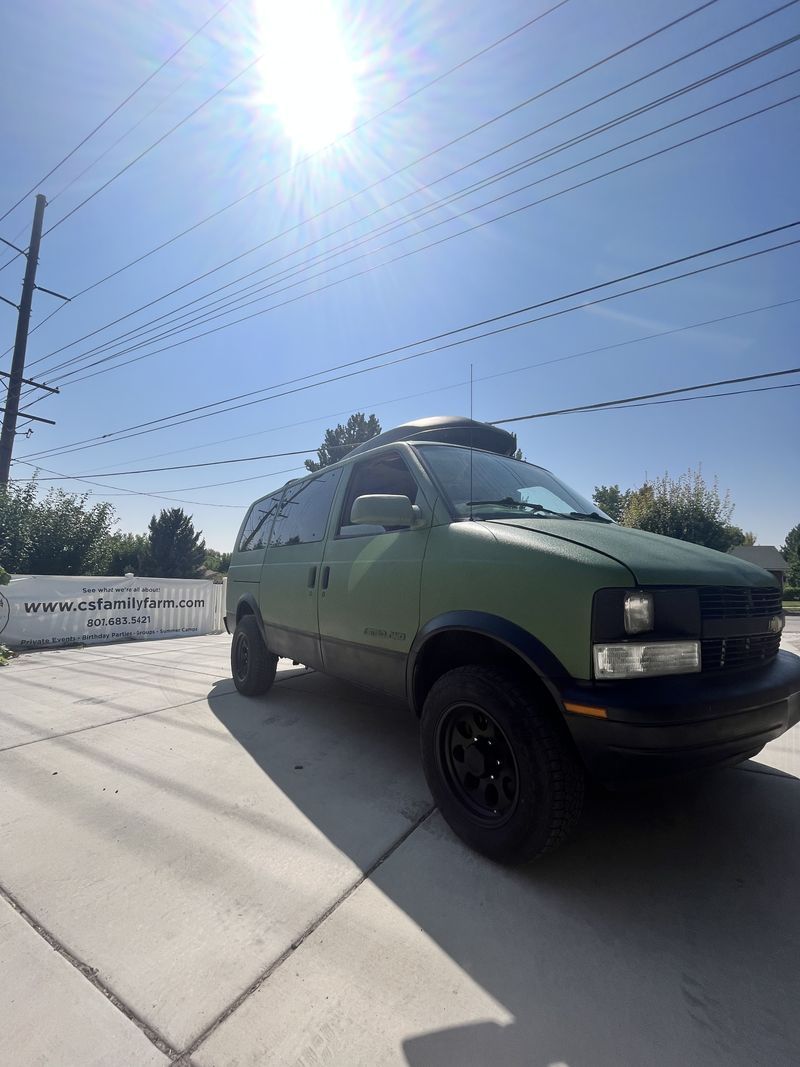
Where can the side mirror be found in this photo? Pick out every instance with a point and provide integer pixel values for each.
(384, 510)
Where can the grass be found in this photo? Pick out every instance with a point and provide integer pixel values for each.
(791, 605)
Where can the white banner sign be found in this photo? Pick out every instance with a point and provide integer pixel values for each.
(45, 611)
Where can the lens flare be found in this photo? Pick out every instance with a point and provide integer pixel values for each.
(308, 73)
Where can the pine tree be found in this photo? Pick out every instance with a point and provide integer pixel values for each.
(176, 550)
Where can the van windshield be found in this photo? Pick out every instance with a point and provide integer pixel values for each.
(484, 485)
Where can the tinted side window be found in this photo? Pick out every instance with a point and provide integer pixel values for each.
(304, 510)
(384, 474)
(257, 526)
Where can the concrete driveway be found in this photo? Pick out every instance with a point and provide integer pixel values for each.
(189, 876)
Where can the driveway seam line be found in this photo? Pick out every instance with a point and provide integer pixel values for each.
(309, 930)
(90, 974)
(23, 668)
(99, 725)
(123, 718)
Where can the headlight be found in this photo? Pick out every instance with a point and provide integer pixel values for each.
(638, 608)
(639, 659)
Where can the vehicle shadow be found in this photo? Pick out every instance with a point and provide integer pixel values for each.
(665, 933)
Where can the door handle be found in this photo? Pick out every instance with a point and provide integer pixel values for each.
(326, 573)
(312, 577)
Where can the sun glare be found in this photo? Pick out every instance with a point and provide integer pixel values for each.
(308, 74)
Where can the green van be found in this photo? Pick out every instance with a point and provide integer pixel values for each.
(537, 641)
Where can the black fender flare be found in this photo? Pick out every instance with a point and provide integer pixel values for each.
(548, 668)
(250, 601)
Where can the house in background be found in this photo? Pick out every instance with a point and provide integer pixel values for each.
(766, 556)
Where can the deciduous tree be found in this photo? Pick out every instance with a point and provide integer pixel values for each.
(217, 561)
(343, 439)
(611, 500)
(129, 553)
(59, 534)
(791, 553)
(686, 507)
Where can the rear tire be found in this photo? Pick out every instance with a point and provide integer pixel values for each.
(253, 666)
(500, 765)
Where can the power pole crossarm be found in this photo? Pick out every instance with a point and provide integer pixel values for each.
(33, 418)
(30, 381)
(20, 344)
(51, 292)
(12, 245)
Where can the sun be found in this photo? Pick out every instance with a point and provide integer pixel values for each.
(309, 76)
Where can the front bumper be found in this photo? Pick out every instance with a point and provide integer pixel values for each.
(662, 726)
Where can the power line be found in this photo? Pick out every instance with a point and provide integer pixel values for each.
(150, 426)
(156, 143)
(135, 126)
(118, 491)
(241, 396)
(537, 96)
(202, 315)
(209, 463)
(401, 256)
(705, 396)
(553, 150)
(304, 159)
(497, 422)
(365, 405)
(86, 169)
(646, 396)
(130, 492)
(619, 404)
(274, 474)
(236, 481)
(118, 108)
(579, 185)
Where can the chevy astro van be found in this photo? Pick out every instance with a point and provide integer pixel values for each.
(538, 642)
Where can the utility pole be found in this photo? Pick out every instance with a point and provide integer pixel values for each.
(15, 378)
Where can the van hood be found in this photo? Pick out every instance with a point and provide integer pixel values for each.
(651, 558)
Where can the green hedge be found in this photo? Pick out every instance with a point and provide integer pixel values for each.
(791, 593)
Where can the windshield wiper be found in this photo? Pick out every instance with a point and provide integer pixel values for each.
(507, 502)
(591, 515)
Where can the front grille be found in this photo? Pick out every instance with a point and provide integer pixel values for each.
(738, 602)
(720, 653)
(728, 650)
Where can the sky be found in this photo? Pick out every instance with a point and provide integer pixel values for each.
(345, 273)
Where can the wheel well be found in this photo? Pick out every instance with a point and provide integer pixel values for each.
(460, 648)
(243, 608)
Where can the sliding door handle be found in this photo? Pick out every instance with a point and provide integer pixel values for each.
(326, 573)
(312, 577)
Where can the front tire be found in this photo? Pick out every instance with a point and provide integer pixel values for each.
(253, 666)
(499, 764)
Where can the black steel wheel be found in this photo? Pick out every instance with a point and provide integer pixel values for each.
(253, 666)
(478, 762)
(500, 764)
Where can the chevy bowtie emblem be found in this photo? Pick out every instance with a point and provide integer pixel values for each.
(776, 624)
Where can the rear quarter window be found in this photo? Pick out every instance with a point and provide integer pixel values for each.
(256, 529)
(304, 510)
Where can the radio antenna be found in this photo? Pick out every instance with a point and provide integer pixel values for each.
(471, 497)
